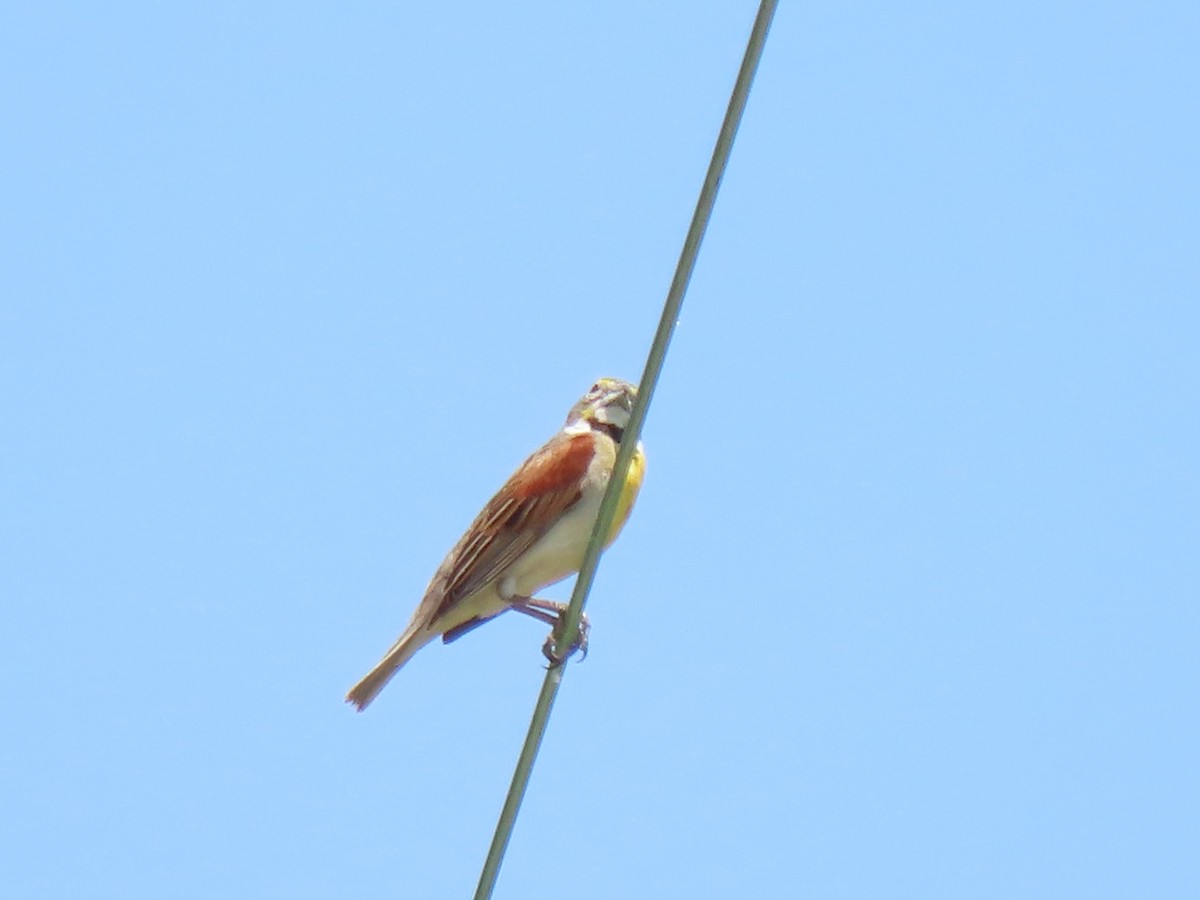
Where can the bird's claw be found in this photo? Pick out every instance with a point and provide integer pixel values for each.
(550, 647)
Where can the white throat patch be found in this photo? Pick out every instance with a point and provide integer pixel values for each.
(613, 415)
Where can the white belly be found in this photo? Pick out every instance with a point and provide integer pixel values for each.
(558, 553)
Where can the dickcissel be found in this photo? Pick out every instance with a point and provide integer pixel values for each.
(530, 535)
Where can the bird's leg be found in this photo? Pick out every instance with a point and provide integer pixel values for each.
(553, 613)
(523, 606)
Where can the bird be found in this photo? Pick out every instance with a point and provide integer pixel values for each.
(531, 534)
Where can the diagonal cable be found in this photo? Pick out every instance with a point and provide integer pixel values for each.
(608, 506)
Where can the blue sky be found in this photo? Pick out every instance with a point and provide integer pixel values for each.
(908, 606)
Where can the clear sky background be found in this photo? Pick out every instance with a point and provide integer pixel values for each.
(909, 604)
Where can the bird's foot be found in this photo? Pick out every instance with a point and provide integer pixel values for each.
(580, 643)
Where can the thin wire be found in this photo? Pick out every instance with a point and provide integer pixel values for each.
(608, 506)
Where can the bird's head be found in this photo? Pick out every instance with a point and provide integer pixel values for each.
(606, 407)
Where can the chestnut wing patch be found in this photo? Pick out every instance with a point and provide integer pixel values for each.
(531, 501)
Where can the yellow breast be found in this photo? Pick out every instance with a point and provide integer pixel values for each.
(629, 492)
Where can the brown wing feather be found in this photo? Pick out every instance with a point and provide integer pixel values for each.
(531, 501)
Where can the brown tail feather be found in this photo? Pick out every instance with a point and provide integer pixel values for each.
(400, 653)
